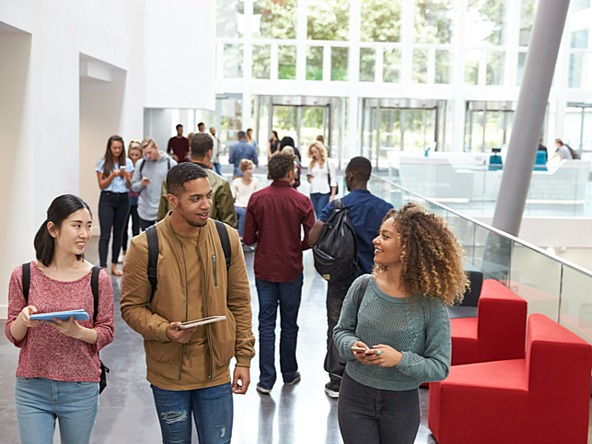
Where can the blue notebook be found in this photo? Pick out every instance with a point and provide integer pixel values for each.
(79, 315)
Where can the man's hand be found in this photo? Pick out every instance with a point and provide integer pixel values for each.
(175, 334)
(241, 380)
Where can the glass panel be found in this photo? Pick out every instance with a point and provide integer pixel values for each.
(230, 109)
(484, 21)
(418, 128)
(228, 15)
(233, 61)
(391, 69)
(277, 20)
(576, 66)
(286, 62)
(527, 14)
(285, 121)
(521, 67)
(472, 59)
(381, 21)
(390, 131)
(433, 21)
(328, 20)
(339, 63)
(576, 306)
(579, 39)
(474, 128)
(420, 66)
(579, 5)
(314, 63)
(495, 68)
(367, 64)
(443, 67)
(311, 125)
(261, 61)
(536, 278)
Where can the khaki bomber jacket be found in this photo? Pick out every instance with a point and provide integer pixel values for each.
(204, 361)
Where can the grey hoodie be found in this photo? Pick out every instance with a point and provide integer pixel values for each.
(156, 171)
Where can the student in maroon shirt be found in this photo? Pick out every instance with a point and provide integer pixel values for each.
(178, 146)
(275, 218)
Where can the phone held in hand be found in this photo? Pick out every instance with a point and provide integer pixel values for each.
(202, 321)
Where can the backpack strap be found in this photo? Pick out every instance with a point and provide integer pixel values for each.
(143, 159)
(152, 237)
(26, 281)
(359, 296)
(94, 285)
(223, 234)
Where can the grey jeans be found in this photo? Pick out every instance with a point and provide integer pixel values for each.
(368, 415)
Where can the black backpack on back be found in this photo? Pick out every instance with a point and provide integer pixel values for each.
(336, 251)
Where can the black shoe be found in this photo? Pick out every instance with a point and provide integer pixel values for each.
(294, 381)
(263, 390)
(332, 389)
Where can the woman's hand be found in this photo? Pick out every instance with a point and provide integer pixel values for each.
(24, 316)
(359, 350)
(384, 356)
(69, 328)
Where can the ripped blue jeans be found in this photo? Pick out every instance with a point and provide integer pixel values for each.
(211, 408)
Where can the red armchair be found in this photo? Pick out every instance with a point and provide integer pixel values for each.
(496, 333)
(543, 398)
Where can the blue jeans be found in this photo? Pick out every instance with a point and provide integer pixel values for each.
(287, 295)
(218, 168)
(241, 212)
(211, 408)
(40, 401)
(319, 201)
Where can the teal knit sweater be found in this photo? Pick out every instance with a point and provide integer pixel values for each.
(417, 326)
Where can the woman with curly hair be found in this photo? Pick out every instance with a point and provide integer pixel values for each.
(396, 335)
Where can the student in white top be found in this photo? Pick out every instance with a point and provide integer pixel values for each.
(242, 189)
(322, 177)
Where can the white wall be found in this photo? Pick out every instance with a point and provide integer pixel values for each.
(180, 60)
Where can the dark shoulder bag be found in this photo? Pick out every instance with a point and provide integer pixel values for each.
(94, 284)
(334, 363)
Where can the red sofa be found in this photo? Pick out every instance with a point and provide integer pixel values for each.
(543, 398)
(498, 331)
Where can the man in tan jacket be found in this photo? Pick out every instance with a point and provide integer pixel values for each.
(188, 369)
(222, 201)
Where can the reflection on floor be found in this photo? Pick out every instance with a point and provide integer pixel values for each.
(290, 415)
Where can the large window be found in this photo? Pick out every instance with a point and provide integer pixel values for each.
(381, 21)
(277, 19)
(485, 22)
(328, 20)
(433, 21)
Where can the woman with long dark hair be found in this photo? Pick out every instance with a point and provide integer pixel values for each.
(58, 369)
(114, 172)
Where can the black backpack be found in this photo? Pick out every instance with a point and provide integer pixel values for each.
(152, 237)
(336, 251)
(94, 285)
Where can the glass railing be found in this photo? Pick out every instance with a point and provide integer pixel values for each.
(551, 285)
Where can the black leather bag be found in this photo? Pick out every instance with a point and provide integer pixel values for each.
(103, 381)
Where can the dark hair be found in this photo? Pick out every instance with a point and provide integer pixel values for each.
(182, 173)
(279, 165)
(201, 143)
(109, 159)
(360, 167)
(274, 132)
(242, 135)
(201, 124)
(287, 141)
(178, 125)
(321, 138)
(60, 209)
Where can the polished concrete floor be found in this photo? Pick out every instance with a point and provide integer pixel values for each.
(290, 415)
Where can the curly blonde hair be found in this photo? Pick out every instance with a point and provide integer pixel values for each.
(430, 254)
(322, 153)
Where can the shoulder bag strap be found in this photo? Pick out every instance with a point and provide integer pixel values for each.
(152, 237)
(26, 281)
(94, 285)
(223, 234)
